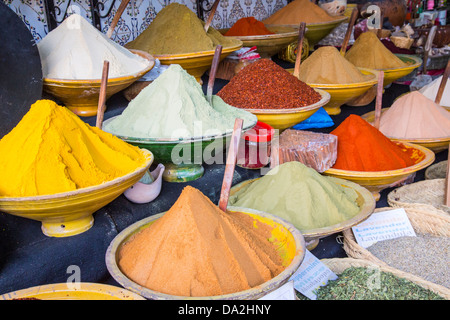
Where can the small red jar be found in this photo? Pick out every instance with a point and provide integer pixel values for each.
(254, 146)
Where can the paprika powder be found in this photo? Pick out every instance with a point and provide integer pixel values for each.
(362, 147)
(265, 85)
(248, 26)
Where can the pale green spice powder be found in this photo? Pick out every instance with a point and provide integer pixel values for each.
(174, 106)
(299, 195)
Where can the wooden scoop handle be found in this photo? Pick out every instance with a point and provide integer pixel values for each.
(231, 163)
(298, 59)
(102, 97)
(211, 15)
(115, 20)
(349, 31)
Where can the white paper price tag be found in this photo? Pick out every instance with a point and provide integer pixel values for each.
(383, 225)
(285, 292)
(311, 275)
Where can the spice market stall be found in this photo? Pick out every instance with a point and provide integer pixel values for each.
(52, 152)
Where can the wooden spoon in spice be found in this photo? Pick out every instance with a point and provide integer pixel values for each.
(102, 97)
(349, 31)
(211, 15)
(112, 26)
(447, 182)
(379, 100)
(443, 83)
(298, 59)
(231, 163)
(427, 48)
(212, 73)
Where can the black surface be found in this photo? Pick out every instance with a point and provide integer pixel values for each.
(20, 70)
(29, 258)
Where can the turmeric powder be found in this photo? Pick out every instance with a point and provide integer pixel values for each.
(51, 150)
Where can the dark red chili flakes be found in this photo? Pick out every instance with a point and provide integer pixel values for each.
(265, 85)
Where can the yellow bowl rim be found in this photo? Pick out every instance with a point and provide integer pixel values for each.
(416, 64)
(268, 36)
(323, 101)
(180, 56)
(342, 19)
(143, 54)
(365, 210)
(91, 287)
(428, 159)
(149, 160)
(349, 86)
(116, 273)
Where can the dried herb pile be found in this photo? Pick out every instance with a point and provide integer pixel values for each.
(359, 283)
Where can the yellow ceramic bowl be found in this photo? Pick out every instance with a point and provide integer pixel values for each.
(70, 213)
(291, 248)
(81, 96)
(269, 44)
(376, 181)
(317, 31)
(284, 118)
(390, 75)
(365, 201)
(196, 63)
(342, 93)
(73, 291)
(435, 145)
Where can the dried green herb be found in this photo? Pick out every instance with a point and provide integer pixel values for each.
(359, 283)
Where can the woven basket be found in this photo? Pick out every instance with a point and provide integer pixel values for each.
(437, 170)
(422, 221)
(423, 194)
(338, 265)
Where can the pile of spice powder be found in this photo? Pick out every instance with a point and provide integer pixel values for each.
(248, 26)
(176, 29)
(300, 11)
(327, 66)
(265, 85)
(51, 150)
(424, 255)
(195, 249)
(300, 195)
(362, 147)
(369, 52)
(358, 283)
(414, 116)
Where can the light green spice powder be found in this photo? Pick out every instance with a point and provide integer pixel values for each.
(174, 106)
(299, 195)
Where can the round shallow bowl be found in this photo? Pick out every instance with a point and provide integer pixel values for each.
(70, 213)
(365, 201)
(291, 248)
(269, 44)
(72, 291)
(390, 75)
(81, 96)
(434, 144)
(183, 158)
(284, 118)
(342, 93)
(376, 181)
(196, 63)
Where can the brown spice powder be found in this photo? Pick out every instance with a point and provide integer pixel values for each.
(195, 249)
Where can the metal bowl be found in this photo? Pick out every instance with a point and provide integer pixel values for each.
(292, 251)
